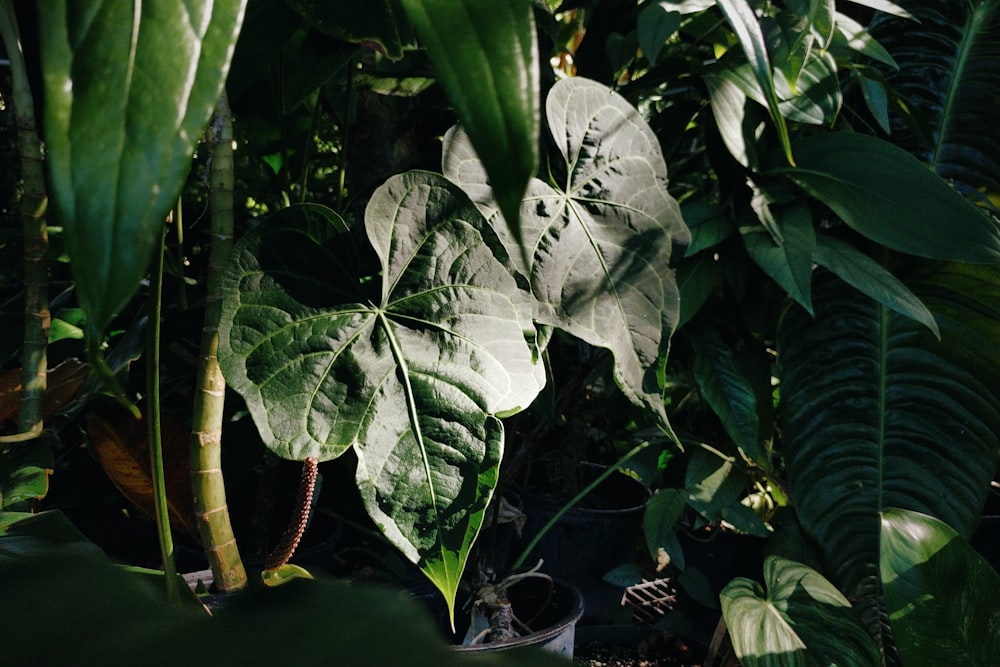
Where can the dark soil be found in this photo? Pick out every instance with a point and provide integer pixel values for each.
(658, 650)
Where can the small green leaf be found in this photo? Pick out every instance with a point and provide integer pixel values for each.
(868, 276)
(696, 280)
(886, 194)
(485, 56)
(662, 512)
(940, 594)
(790, 262)
(800, 619)
(284, 574)
(876, 98)
(657, 23)
(709, 225)
(712, 482)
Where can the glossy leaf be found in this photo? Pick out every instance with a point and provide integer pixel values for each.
(886, 6)
(410, 367)
(869, 277)
(789, 262)
(485, 56)
(744, 22)
(382, 22)
(941, 596)
(878, 413)
(601, 240)
(889, 196)
(121, 78)
(738, 124)
(727, 391)
(949, 73)
(800, 619)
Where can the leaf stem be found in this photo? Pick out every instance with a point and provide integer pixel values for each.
(162, 515)
(574, 501)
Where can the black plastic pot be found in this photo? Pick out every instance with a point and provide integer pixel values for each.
(552, 607)
(590, 539)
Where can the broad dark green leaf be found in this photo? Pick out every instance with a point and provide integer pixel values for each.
(789, 262)
(657, 23)
(949, 73)
(128, 89)
(107, 616)
(727, 391)
(709, 224)
(485, 56)
(380, 21)
(600, 241)
(868, 276)
(696, 280)
(941, 596)
(877, 413)
(410, 367)
(744, 22)
(801, 619)
(889, 196)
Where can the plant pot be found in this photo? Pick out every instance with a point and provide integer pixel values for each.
(556, 623)
(591, 538)
(551, 610)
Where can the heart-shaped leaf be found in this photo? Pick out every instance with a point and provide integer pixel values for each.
(409, 363)
(801, 619)
(128, 88)
(600, 241)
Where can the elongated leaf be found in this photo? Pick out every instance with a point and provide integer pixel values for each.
(658, 520)
(949, 72)
(801, 619)
(889, 196)
(128, 88)
(940, 594)
(485, 56)
(865, 274)
(726, 390)
(409, 367)
(886, 6)
(744, 22)
(601, 240)
(877, 413)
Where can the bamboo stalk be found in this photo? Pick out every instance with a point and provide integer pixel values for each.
(37, 318)
(207, 481)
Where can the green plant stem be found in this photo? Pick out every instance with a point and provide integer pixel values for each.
(574, 501)
(153, 424)
(37, 317)
(208, 485)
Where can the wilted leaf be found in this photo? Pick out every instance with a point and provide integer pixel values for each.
(121, 446)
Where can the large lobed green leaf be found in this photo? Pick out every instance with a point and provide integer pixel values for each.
(409, 366)
(800, 620)
(128, 88)
(485, 56)
(941, 596)
(876, 413)
(949, 75)
(600, 242)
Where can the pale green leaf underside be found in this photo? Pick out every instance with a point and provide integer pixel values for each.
(600, 242)
(409, 367)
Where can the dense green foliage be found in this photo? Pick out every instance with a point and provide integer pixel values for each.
(762, 236)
